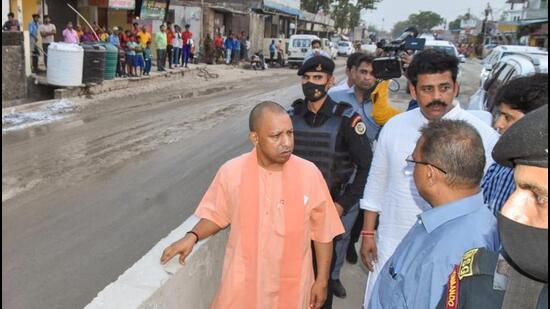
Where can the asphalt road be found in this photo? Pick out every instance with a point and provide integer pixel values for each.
(86, 197)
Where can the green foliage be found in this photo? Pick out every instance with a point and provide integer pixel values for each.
(455, 25)
(424, 21)
(399, 27)
(313, 6)
(346, 13)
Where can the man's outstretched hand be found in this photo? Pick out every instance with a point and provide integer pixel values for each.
(183, 247)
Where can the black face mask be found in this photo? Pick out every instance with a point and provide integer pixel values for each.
(526, 246)
(314, 92)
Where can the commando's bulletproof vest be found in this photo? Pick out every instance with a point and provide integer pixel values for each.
(318, 145)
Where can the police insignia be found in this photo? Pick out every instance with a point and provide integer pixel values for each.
(453, 290)
(319, 68)
(317, 93)
(361, 128)
(467, 264)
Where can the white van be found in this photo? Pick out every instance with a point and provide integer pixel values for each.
(300, 44)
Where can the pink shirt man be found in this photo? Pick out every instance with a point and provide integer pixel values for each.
(70, 36)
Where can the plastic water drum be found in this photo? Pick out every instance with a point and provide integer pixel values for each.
(65, 64)
(94, 63)
(111, 57)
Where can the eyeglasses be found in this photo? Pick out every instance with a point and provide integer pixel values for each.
(411, 161)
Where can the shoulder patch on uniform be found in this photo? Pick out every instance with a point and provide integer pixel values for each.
(355, 120)
(298, 102)
(453, 289)
(297, 107)
(467, 264)
(361, 128)
(344, 109)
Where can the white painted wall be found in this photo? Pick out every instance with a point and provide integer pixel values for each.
(147, 284)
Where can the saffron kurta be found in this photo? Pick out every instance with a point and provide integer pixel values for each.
(222, 205)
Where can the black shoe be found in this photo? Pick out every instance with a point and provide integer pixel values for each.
(337, 288)
(351, 255)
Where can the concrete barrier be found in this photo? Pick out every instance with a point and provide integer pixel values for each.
(148, 285)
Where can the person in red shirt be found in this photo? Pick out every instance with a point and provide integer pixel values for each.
(123, 37)
(170, 47)
(187, 43)
(218, 45)
(135, 29)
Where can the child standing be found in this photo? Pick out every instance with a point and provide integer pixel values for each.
(148, 55)
(131, 55)
(140, 61)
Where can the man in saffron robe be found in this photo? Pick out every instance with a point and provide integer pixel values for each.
(276, 204)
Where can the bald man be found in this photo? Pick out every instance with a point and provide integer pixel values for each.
(276, 204)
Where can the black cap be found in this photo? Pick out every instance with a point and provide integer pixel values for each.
(526, 142)
(318, 64)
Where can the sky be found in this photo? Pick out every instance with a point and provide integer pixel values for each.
(390, 12)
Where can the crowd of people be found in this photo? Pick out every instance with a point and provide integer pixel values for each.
(175, 45)
(452, 212)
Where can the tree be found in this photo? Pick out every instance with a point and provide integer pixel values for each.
(313, 6)
(424, 21)
(372, 29)
(455, 25)
(346, 13)
(399, 28)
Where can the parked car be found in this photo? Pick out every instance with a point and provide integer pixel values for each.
(345, 48)
(446, 47)
(502, 51)
(508, 68)
(488, 48)
(369, 48)
(333, 49)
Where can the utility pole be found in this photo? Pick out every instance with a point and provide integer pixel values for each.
(203, 35)
(483, 35)
(488, 11)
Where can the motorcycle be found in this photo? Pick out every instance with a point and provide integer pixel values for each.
(258, 61)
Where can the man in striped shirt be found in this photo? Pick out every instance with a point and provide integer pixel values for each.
(513, 100)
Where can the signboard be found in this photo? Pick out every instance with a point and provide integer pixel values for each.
(294, 4)
(469, 23)
(122, 4)
(153, 9)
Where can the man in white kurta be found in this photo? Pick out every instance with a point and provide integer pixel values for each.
(393, 194)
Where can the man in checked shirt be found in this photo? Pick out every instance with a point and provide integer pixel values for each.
(514, 100)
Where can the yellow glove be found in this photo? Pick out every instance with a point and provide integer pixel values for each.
(382, 111)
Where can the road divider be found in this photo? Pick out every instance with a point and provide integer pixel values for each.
(148, 284)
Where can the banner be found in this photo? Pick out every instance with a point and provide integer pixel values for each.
(122, 4)
(153, 9)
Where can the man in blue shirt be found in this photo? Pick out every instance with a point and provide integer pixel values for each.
(447, 165)
(316, 51)
(33, 33)
(361, 97)
(228, 48)
(513, 100)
